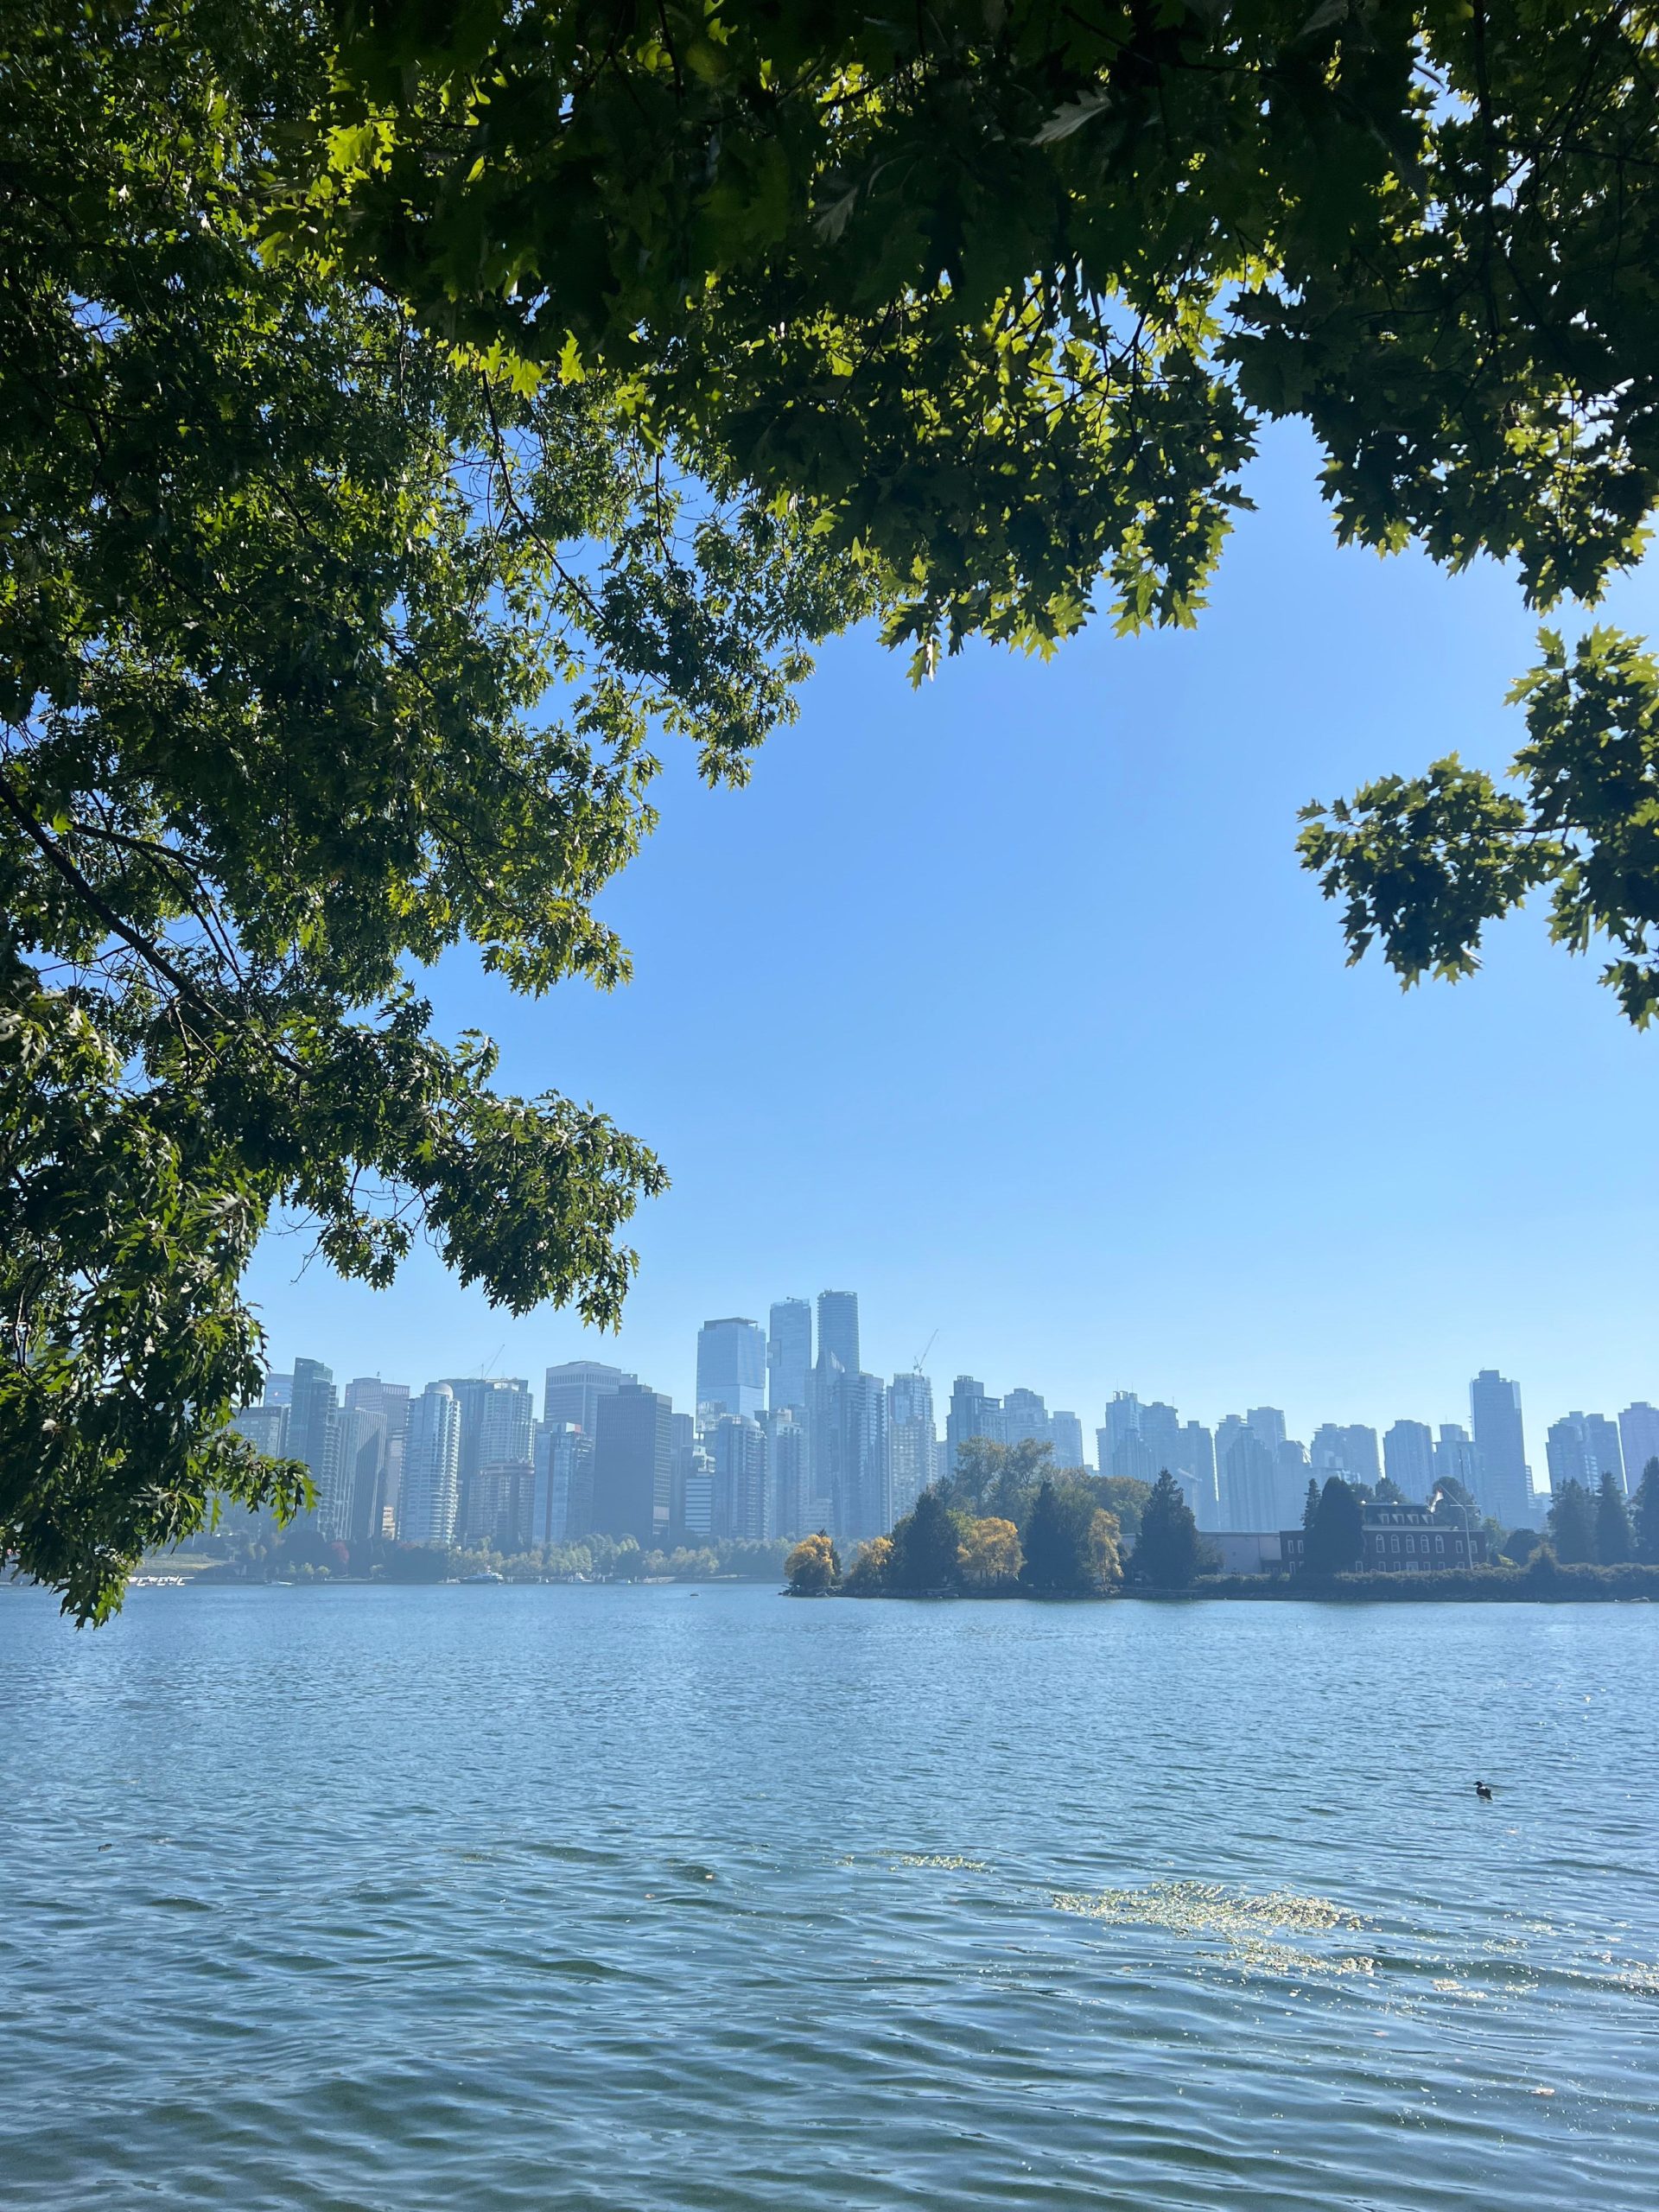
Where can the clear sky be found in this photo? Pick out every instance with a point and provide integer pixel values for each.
(1005, 1004)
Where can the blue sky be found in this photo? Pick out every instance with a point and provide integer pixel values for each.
(1005, 1004)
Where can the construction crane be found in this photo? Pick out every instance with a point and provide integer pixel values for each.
(916, 1365)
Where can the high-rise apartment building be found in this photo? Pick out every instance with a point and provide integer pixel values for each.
(838, 1328)
(910, 1440)
(265, 1427)
(1638, 1436)
(1454, 1456)
(1249, 1498)
(1067, 1432)
(859, 1478)
(1582, 1448)
(561, 1453)
(368, 1394)
(1123, 1419)
(792, 1492)
(1503, 1484)
(685, 1453)
(632, 1465)
(1161, 1431)
(495, 1432)
(740, 1496)
(1348, 1449)
(426, 1507)
(574, 1389)
(731, 1371)
(1409, 1460)
(1291, 1472)
(1601, 1449)
(1267, 1423)
(1226, 1431)
(313, 1421)
(1196, 1470)
(972, 1415)
(1025, 1419)
(789, 1353)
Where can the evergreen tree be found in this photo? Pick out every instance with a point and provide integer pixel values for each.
(1336, 1543)
(1070, 1545)
(1311, 1504)
(1168, 1552)
(924, 1544)
(1615, 1538)
(1572, 1525)
(1645, 1514)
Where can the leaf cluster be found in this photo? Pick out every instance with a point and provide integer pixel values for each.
(1002, 293)
(325, 650)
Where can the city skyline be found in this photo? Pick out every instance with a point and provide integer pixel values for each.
(1539, 1425)
(789, 1432)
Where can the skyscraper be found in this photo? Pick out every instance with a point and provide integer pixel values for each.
(838, 1328)
(1025, 1419)
(495, 1433)
(574, 1387)
(1196, 1469)
(1161, 1431)
(1123, 1419)
(1290, 1480)
(789, 1353)
(1228, 1429)
(1269, 1423)
(1409, 1460)
(1249, 1490)
(683, 1446)
(1067, 1432)
(1454, 1456)
(426, 1510)
(860, 1484)
(559, 1451)
(1502, 1484)
(791, 1496)
(971, 1414)
(632, 1465)
(910, 1440)
(312, 1424)
(739, 1498)
(1638, 1436)
(265, 1427)
(369, 1394)
(1601, 1449)
(353, 1508)
(1346, 1449)
(1582, 1448)
(731, 1371)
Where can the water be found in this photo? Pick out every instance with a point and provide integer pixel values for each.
(606, 1898)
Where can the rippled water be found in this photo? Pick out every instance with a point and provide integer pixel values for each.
(614, 1898)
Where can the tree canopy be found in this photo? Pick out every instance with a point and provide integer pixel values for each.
(322, 650)
(1002, 295)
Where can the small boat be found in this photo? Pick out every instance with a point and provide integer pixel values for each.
(486, 1577)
